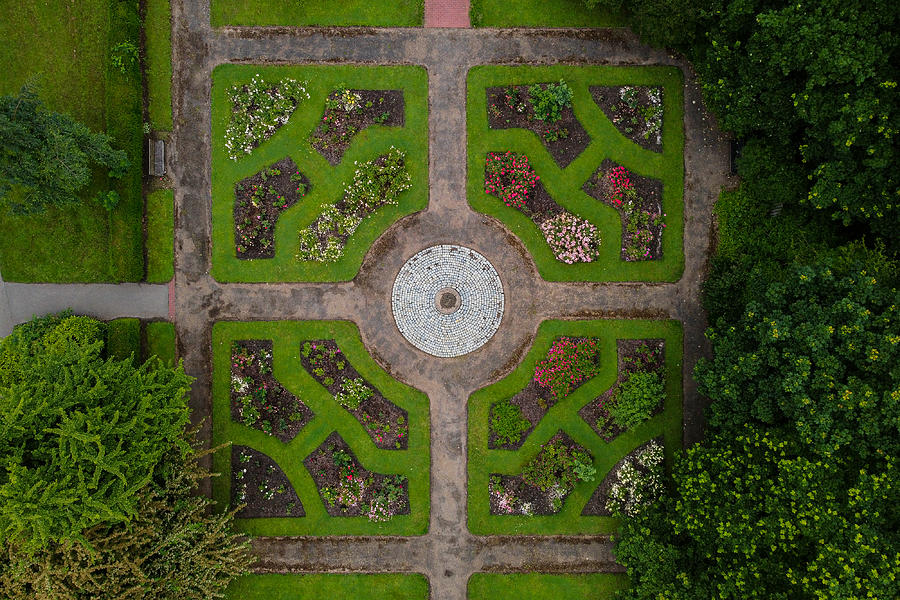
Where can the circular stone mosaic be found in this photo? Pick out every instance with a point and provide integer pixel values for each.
(447, 300)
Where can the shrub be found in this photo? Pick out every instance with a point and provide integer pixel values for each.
(639, 482)
(571, 238)
(507, 422)
(636, 398)
(510, 178)
(259, 108)
(548, 100)
(558, 466)
(353, 392)
(569, 362)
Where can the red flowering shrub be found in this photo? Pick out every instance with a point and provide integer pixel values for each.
(509, 177)
(569, 363)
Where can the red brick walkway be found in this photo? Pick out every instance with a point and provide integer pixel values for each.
(447, 13)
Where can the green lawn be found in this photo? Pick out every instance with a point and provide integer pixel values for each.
(382, 586)
(159, 340)
(66, 44)
(123, 339)
(158, 31)
(329, 416)
(327, 182)
(160, 236)
(540, 13)
(564, 415)
(396, 13)
(538, 586)
(565, 184)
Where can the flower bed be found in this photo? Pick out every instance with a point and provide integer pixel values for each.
(386, 423)
(614, 412)
(348, 490)
(545, 481)
(639, 203)
(636, 111)
(509, 177)
(257, 399)
(261, 486)
(569, 363)
(258, 202)
(347, 112)
(258, 109)
(633, 483)
(376, 183)
(545, 109)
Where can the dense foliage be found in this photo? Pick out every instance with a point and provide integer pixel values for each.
(46, 158)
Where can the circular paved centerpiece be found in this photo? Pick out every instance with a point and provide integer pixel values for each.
(447, 300)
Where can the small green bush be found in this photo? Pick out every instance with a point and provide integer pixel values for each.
(353, 392)
(507, 422)
(558, 466)
(637, 398)
(549, 100)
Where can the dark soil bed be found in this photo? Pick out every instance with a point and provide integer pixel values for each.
(259, 201)
(629, 359)
(649, 191)
(386, 423)
(334, 468)
(375, 107)
(596, 506)
(506, 111)
(257, 399)
(632, 120)
(261, 484)
(526, 499)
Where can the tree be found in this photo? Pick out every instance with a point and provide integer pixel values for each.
(82, 434)
(46, 157)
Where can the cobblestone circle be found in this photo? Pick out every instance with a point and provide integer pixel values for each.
(427, 282)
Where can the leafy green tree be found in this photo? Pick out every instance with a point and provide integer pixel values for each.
(751, 517)
(46, 158)
(82, 433)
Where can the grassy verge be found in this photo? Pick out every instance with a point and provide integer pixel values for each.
(327, 182)
(539, 586)
(314, 587)
(123, 338)
(158, 32)
(67, 45)
(397, 13)
(564, 415)
(160, 236)
(565, 184)
(540, 13)
(329, 416)
(159, 341)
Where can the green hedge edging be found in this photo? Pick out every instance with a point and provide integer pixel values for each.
(564, 415)
(159, 341)
(123, 339)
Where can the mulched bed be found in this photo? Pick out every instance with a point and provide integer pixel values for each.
(596, 506)
(375, 107)
(525, 493)
(258, 400)
(534, 402)
(649, 191)
(259, 201)
(328, 475)
(625, 349)
(386, 423)
(261, 484)
(501, 115)
(629, 120)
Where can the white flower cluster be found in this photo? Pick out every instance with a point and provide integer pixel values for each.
(240, 384)
(258, 109)
(571, 238)
(637, 487)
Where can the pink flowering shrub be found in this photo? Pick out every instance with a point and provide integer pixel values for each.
(571, 238)
(642, 227)
(509, 177)
(621, 185)
(569, 363)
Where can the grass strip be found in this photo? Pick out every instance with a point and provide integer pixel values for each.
(397, 13)
(314, 587)
(160, 236)
(540, 586)
(541, 13)
(158, 34)
(159, 341)
(123, 338)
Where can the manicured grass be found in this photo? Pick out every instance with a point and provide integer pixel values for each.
(540, 13)
(123, 339)
(159, 341)
(158, 32)
(160, 236)
(327, 182)
(67, 44)
(539, 586)
(565, 184)
(381, 586)
(329, 416)
(396, 13)
(564, 415)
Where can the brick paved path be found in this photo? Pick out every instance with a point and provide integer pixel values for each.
(447, 13)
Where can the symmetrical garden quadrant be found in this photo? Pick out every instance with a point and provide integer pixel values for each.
(324, 442)
(584, 164)
(538, 461)
(310, 165)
